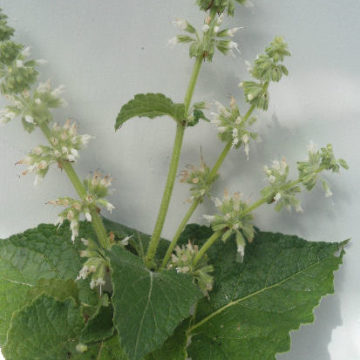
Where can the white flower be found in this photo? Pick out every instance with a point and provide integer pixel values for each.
(109, 207)
(248, 65)
(6, 115)
(209, 218)
(85, 241)
(37, 101)
(125, 241)
(205, 28)
(84, 139)
(88, 216)
(180, 24)
(83, 273)
(233, 45)
(29, 119)
(58, 91)
(59, 221)
(173, 41)
(220, 19)
(19, 63)
(328, 192)
(277, 197)
(312, 148)
(235, 141)
(272, 179)
(81, 348)
(43, 165)
(250, 97)
(44, 87)
(241, 250)
(233, 31)
(216, 29)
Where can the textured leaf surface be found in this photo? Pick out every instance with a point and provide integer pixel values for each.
(151, 106)
(148, 306)
(56, 288)
(47, 328)
(255, 304)
(175, 347)
(99, 327)
(105, 350)
(43, 252)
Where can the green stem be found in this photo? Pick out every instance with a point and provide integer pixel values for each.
(195, 204)
(155, 239)
(209, 242)
(192, 83)
(96, 221)
(179, 230)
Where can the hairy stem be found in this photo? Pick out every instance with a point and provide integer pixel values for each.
(154, 242)
(96, 221)
(209, 242)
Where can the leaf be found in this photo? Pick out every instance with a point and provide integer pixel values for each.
(56, 288)
(255, 304)
(148, 306)
(175, 347)
(99, 327)
(151, 106)
(105, 350)
(38, 253)
(46, 330)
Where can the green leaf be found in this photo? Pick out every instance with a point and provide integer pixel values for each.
(43, 252)
(175, 347)
(99, 327)
(44, 330)
(255, 304)
(56, 288)
(151, 106)
(105, 350)
(148, 306)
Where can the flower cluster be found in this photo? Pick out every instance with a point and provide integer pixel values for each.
(6, 32)
(72, 213)
(97, 190)
(200, 180)
(233, 219)
(96, 266)
(220, 5)
(33, 108)
(233, 127)
(212, 37)
(265, 69)
(318, 161)
(65, 146)
(281, 191)
(182, 261)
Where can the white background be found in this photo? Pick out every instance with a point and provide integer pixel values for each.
(107, 51)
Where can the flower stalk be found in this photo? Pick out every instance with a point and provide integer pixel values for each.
(154, 242)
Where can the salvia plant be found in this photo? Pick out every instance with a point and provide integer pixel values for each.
(89, 288)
